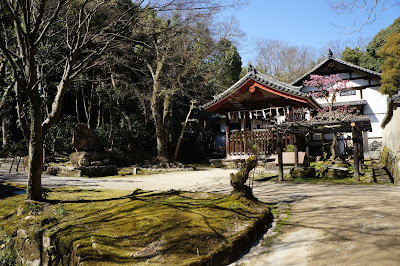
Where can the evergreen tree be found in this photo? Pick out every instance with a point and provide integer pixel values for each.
(353, 55)
(390, 52)
(372, 60)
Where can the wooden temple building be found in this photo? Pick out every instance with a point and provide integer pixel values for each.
(253, 107)
(263, 116)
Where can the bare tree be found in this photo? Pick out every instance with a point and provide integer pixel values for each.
(283, 62)
(83, 41)
(364, 11)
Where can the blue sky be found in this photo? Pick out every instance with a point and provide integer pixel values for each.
(300, 23)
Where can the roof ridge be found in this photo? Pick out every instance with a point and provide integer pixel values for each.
(338, 61)
(263, 79)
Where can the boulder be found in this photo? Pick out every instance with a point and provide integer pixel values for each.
(83, 139)
(79, 158)
(333, 171)
(302, 172)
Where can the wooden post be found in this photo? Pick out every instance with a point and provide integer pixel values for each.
(280, 157)
(308, 147)
(355, 152)
(296, 152)
(227, 134)
(245, 133)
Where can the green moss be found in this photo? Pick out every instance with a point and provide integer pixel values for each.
(109, 226)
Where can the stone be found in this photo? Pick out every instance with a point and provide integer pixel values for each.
(83, 162)
(302, 172)
(75, 157)
(329, 171)
(98, 171)
(83, 139)
(96, 163)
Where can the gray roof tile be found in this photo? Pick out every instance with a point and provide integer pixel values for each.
(340, 62)
(263, 79)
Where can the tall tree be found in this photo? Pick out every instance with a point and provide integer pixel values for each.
(372, 60)
(353, 56)
(226, 65)
(390, 53)
(86, 32)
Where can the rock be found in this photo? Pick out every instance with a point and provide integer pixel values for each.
(77, 156)
(98, 171)
(83, 139)
(329, 171)
(301, 172)
(83, 162)
(96, 163)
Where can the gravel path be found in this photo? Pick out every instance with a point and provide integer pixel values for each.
(329, 224)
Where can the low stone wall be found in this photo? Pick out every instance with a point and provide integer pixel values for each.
(392, 163)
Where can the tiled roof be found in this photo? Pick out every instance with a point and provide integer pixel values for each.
(340, 62)
(263, 79)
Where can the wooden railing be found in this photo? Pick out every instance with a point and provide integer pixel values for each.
(260, 142)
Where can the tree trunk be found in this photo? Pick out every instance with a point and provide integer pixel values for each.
(183, 130)
(161, 111)
(4, 130)
(77, 107)
(35, 156)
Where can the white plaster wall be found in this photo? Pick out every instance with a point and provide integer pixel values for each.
(376, 101)
(391, 132)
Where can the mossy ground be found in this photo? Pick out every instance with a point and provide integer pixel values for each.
(110, 226)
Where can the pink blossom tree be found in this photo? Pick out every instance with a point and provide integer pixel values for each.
(328, 87)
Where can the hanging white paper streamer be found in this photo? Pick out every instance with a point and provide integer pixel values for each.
(250, 115)
(239, 116)
(229, 115)
(264, 114)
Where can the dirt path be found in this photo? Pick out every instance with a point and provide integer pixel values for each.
(329, 224)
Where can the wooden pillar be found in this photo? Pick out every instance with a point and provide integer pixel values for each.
(273, 140)
(279, 149)
(296, 152)
(355, 152)
(245, 133)
(308, 147)
(227, 135)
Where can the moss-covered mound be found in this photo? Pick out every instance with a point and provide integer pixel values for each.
(111, 227)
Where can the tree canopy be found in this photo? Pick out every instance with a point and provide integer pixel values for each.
(390, 53)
